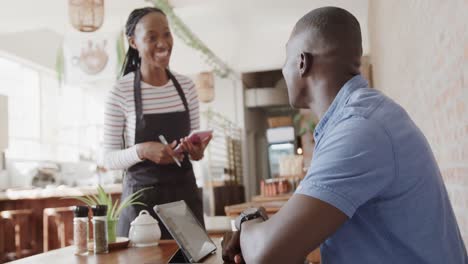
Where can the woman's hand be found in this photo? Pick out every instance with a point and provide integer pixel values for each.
(195, 150)
(158, 152)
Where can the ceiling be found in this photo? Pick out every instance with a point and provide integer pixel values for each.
(248, 34)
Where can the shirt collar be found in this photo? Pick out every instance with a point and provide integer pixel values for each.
(339, 102)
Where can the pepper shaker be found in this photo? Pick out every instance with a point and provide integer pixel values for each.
(100, 229)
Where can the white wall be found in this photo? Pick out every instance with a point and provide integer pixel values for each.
(228, 100)
(421, 61)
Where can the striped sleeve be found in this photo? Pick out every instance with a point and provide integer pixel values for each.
(193, 107)
(115, 155)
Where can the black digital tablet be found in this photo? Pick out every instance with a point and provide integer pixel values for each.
(193, 241)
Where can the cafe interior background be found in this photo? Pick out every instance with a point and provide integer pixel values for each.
(54, 78)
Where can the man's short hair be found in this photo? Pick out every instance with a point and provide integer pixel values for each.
(334, 27)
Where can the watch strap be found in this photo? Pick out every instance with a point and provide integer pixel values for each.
(259, 213)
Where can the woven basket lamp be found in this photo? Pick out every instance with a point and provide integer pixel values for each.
(86, 15)
(205, 87)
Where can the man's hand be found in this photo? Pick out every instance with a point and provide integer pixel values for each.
(231, 248)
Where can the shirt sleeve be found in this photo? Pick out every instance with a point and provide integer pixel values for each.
(351, 165)
(193, 107)
(115, 155)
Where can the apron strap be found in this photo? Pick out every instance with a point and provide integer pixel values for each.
(140, 121)
(179, 90)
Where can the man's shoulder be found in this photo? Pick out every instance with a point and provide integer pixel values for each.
(363, 102)
(358, 131)
(372, 104)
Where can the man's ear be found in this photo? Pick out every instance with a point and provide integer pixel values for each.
(131, 42)
(305, 63)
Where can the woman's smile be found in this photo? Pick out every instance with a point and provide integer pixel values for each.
(162, 55)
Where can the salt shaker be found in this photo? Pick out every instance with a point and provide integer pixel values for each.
(100, 229)
(80, 230)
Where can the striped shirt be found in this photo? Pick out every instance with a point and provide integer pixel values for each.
(120, 117)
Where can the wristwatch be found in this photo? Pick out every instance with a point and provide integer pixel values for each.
(250, 214)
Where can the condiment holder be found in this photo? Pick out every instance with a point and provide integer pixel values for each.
(144, 230)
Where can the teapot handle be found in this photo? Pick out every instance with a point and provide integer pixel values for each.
(143, 212)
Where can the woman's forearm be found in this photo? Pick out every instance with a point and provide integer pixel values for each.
(120, 159)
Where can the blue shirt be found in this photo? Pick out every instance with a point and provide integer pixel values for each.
(374, 164)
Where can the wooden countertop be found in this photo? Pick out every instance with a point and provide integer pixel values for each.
(56, 192)
(160, 254)
(282, 197)
(271, 207)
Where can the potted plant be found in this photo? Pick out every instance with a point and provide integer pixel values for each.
(113, 209)
(303, 124)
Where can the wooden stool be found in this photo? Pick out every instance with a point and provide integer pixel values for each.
(63, 220)
(24, 233)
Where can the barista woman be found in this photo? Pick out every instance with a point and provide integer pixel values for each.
(149, 101)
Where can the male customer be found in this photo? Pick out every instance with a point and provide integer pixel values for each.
(373, 193)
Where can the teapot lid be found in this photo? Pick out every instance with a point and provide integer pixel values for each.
(144, 218)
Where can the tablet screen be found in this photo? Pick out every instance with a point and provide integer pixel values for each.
(184, 227)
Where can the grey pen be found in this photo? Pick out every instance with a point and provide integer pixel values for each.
(164, 141)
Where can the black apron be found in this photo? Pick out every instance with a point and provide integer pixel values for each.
(169, 182)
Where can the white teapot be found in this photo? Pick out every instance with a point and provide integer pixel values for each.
(144, 231)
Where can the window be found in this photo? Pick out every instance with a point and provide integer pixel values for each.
(22, 86)
(46, 121)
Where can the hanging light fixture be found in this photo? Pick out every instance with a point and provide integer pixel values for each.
(205, 86)
(86, 15)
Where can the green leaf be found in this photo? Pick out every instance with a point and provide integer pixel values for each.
(109, 204)
(139, 203)
(297, 118)
(95, 198)
(311, 126)
(60, 65)
(131, 200)
(105, 199)
(114, 207)
(102, 195)
(120, 50)
(302, 131)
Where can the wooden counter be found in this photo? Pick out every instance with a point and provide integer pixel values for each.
(160, 254)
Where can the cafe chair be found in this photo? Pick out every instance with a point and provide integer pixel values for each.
(17, 224)
(57, 227)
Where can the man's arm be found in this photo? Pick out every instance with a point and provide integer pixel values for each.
(301, 225)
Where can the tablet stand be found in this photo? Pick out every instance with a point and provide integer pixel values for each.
(179, 257)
